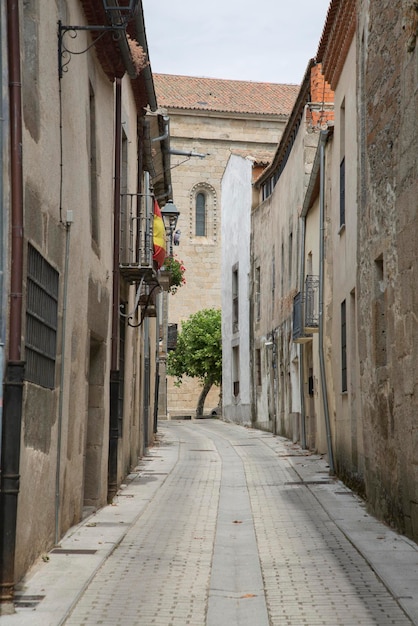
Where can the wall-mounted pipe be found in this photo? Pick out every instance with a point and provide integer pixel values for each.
(114, 358)
(322, 143)
(187, 153)
(301, 349)
(4, 218)
(13, 385)
(62, 378)
(165, 135)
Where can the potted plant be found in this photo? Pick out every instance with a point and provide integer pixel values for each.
(174, 269)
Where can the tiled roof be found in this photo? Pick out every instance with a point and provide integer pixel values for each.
(336, 39)
(232, 96)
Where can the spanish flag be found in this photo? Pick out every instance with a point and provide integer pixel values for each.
(158, 237)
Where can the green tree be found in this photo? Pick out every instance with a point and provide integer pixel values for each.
(198, 353)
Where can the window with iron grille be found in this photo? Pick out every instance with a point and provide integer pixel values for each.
(235, 300)
(41, 320)
(257, 293)
(342, 193)
(343, 346)
(122, 344)
(235, 371)
(172, 332)
(258, 367)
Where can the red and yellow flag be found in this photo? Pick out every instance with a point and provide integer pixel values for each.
(158, 237)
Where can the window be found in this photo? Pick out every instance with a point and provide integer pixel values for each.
(258, 367)
(379, 314)
(342, 164)
(342, 193)
(343, 346)
(41, 320)
(122, 344)
(203, 216)
(125, 221)
(257, 294)
(172, 333)
(94, 209)
(290, 258)
(235, 300)
(235, 371)
(200, 215)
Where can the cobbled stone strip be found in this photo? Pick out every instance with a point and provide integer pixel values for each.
(159, 575)
(236, 595)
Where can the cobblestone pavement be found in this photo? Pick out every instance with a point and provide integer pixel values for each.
(160, 572)
(230, 526)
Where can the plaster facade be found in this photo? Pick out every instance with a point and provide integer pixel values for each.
(75, 341)
(236, 230)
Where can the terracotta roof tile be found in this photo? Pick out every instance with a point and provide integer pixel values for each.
(232, 96)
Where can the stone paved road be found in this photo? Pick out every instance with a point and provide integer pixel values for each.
(233, 537)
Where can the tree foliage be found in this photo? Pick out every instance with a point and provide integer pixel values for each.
(198, 353)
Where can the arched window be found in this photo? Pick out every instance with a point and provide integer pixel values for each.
(200, 215)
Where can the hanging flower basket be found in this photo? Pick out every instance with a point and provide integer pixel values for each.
(172, 274)
(164, 278)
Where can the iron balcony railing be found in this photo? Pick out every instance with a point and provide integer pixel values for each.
(136, 238)
(298, 334)
(311, 322)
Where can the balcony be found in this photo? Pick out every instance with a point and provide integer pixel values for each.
(299, 334)
(136, 241)
(311, 321)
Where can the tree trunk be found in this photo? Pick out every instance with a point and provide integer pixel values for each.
(201, 402)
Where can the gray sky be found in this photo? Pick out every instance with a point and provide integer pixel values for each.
(261, 40)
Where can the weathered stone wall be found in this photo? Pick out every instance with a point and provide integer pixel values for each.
(388, 257)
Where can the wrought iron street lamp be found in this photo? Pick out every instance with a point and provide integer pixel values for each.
(170, 215)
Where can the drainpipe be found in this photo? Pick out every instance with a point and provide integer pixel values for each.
(62, 377)
(301, 351)
(157, 365)
(13, 385)
(114, 364)
(147, 381)
(146, 342)
(322, 142)
(3, 214)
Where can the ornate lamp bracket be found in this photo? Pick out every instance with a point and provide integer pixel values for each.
(65, 53)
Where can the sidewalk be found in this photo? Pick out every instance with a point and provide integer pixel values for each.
(393, 557)
(55, 584)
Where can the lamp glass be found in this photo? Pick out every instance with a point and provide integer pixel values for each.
(128, 6)
(170, 215)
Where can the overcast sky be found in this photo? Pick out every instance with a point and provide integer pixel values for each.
(262, 40)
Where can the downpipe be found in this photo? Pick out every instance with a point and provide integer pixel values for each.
(15, 368)
(112, 482)
(62, 379)
(301, 350)
(323, 139)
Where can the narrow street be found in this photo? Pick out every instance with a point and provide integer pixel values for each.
(226, 526)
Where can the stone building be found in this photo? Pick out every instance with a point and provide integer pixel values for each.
(387, 50)
(345, 222)
(213, 118)
(79, 357)
(275, 259)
